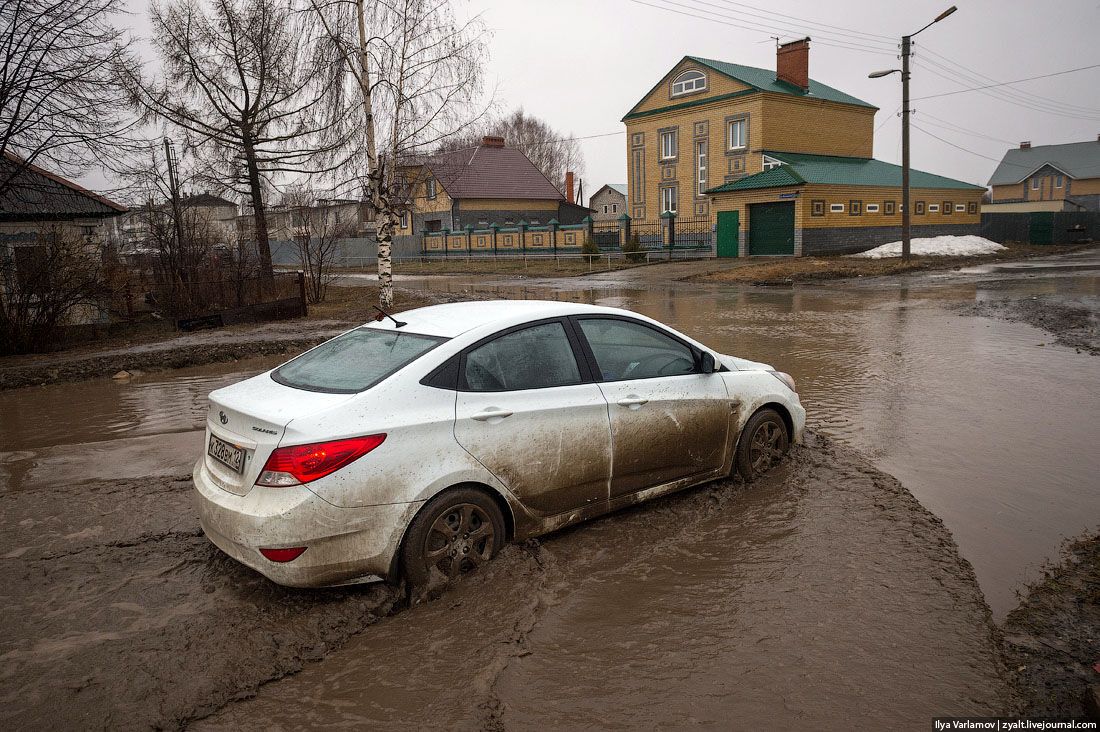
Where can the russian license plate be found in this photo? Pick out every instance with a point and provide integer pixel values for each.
(228, 455)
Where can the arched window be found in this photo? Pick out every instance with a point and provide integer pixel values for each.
(689, 81)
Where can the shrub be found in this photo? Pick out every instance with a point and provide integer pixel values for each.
(633, 248)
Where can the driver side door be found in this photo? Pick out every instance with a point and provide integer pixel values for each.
(668, 420)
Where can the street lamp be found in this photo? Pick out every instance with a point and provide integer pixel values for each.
(904, 71)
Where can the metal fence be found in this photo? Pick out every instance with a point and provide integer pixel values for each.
(1042, 227)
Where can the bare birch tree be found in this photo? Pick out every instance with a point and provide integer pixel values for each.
(417, 71)
(240, 81)
(61, 104)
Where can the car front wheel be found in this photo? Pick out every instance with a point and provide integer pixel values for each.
(454, 534)
(764, 442)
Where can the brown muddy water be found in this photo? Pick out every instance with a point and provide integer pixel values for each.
(822, 592)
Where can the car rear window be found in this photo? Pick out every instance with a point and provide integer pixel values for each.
(354, 361)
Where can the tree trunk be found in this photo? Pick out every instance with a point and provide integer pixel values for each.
(384, 234)
(259, 215)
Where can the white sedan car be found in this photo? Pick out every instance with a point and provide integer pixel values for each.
(423, 442)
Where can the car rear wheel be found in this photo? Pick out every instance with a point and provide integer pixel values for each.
(764, 442)
(454, 534)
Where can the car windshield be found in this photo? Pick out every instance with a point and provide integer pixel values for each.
(355, 361)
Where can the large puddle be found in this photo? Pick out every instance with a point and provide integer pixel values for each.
(102, 429)
(989, 423)
(770, 603)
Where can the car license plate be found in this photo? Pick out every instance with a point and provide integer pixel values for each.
(228, 455)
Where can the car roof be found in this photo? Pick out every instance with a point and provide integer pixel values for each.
(453, 319)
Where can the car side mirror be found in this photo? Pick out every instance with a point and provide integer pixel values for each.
(707, 363)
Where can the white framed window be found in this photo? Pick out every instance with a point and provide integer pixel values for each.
(688, 82)
(668, 144)
(736, 134)
(1059, 181)
(961, 207)
(1034, 184)
(614, 208)
(933, 207)
(429, 187)
(668, 199)
(770, 162)
(605, 208)
(701, 164)
(836, 208)
(871, 208)
(404, 219)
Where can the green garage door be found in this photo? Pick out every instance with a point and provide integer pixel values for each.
(771, 228)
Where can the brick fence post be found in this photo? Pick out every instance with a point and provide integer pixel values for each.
(624, 230)
(670, 217)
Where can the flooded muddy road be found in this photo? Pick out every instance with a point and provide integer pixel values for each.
(823, 592)
(990, 423)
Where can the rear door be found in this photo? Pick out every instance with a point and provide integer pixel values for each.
(668, 420)
(528, 411)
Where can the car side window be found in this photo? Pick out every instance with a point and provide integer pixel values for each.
(533, 358)
(626, 350)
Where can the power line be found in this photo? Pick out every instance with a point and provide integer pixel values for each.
(1008, 83)
(744, 25)
(980, 78)
(844, 34)
(959, 128)
(892, 39)
(1004, 95)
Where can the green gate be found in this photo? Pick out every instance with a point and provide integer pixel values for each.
(771, 228)
(729, 231)
(1041, 227)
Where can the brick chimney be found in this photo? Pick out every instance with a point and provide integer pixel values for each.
(569, 186)
(1025, 145)
(792, 63)
(492, 141)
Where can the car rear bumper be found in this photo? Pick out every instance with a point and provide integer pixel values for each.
(342, 544)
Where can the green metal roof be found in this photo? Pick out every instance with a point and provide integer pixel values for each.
(759, 80)
(764, 80)
(784, 175)
(833, 170)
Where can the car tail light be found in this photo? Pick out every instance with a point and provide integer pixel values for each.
(300, 464)
(283, 555)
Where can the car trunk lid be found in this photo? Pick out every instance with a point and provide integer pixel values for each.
(246, 421)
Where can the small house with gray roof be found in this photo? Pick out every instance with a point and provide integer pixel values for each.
(1047, 178)
(608, 203)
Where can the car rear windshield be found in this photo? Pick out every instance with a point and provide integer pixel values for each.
(354, 361)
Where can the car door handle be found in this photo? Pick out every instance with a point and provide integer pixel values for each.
(491, 413)
(633, 401)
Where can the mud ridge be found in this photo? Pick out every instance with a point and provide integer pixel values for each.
(1052, 640)
(1074, 322)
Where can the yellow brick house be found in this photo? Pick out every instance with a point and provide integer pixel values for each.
(778, 163)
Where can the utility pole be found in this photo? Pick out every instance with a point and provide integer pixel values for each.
(906, 52)
(906, 221)
(174, 192)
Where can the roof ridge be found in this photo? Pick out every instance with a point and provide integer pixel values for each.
(65, 182)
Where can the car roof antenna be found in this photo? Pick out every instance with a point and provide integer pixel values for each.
(383, 314)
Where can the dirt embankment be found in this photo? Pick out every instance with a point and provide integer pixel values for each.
(1074, 321)
(789, 270)
(1052, 640)
(157, 347)
(120, 614)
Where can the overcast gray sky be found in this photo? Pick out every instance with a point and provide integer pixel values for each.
(581, 65)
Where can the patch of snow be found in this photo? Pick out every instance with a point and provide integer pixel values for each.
(936, 246)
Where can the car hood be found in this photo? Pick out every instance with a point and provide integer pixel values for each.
(742, 364)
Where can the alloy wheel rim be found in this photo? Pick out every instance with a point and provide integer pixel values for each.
(459, 541)
(766, 447)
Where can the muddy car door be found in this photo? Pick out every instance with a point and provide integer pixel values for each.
(527, 409)
(669, 421)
